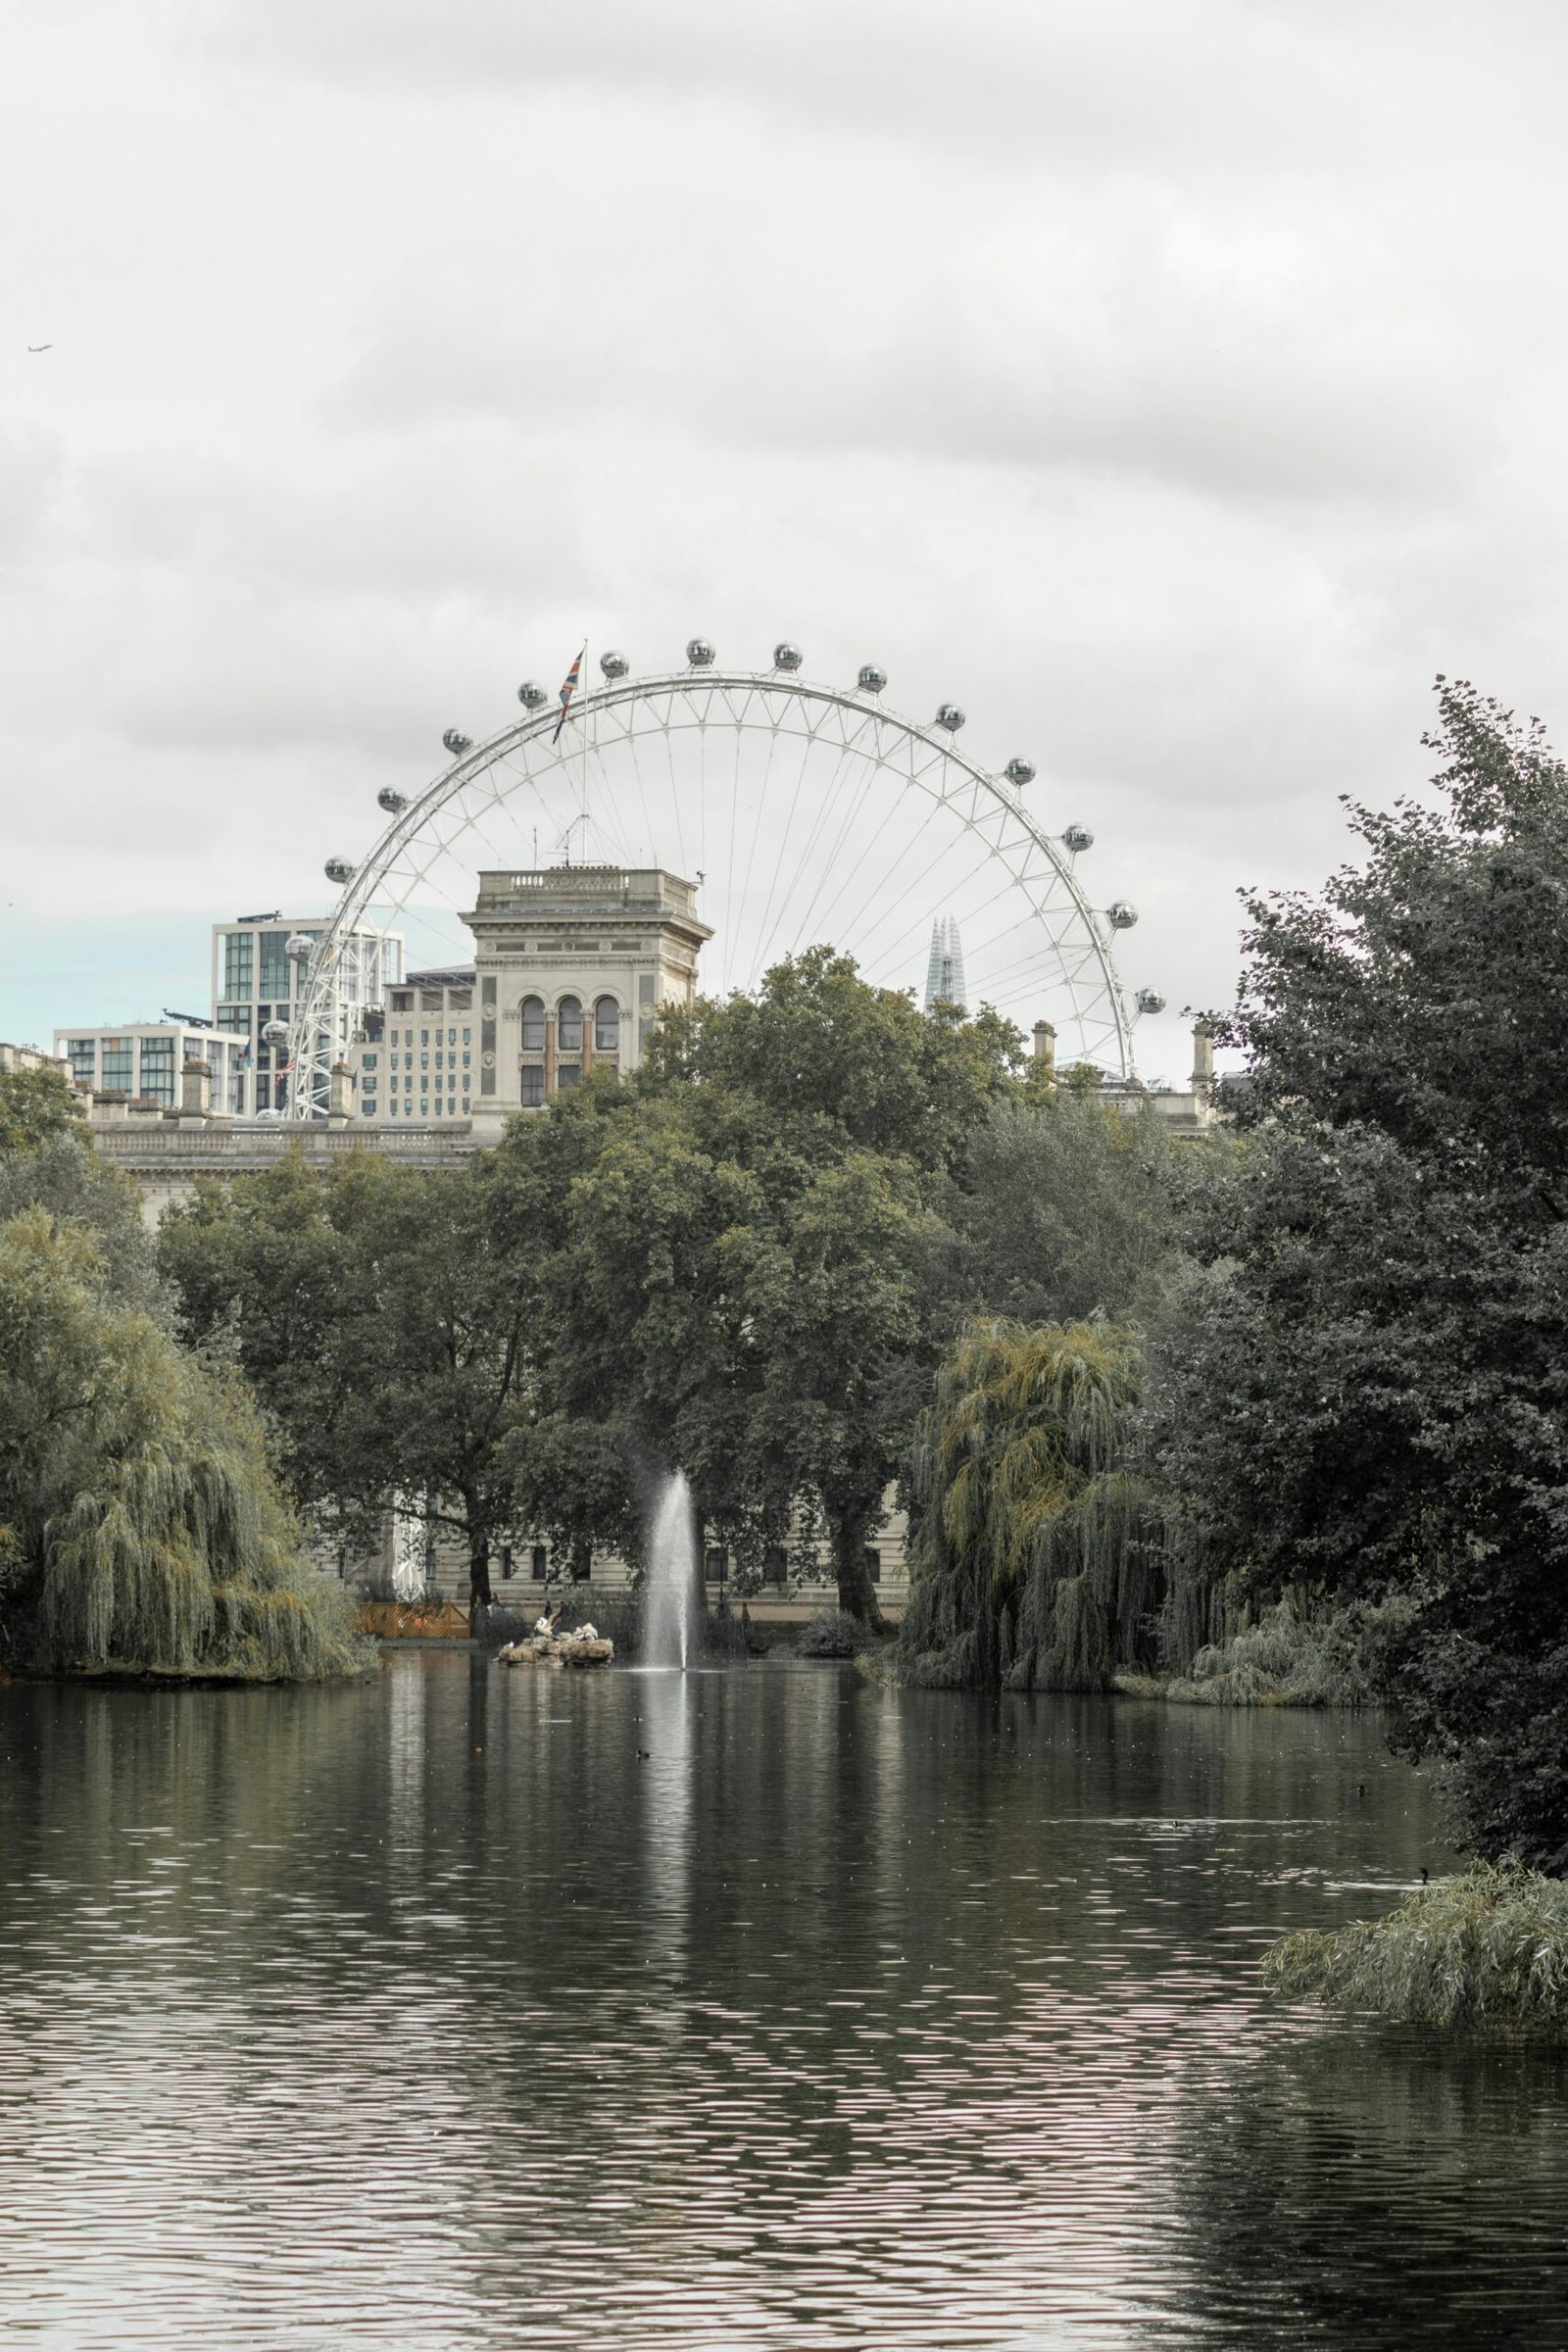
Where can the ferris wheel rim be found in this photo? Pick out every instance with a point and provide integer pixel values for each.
(311, 1056)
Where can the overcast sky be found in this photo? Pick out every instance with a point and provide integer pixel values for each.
(1177, 386)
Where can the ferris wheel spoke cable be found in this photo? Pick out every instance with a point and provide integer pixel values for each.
(674, 795)
(855, 932)
(831, 865)
(778, 864)
(829, 793)
(757, 819)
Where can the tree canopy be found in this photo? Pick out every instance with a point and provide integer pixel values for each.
(1364, 1387)
(140, 1528)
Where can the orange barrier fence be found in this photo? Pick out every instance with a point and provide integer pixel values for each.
(414, 1620)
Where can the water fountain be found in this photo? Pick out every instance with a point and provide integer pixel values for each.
(672, 1578)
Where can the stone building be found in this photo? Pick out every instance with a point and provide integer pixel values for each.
(572, 966)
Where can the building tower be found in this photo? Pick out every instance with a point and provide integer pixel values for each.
(944, 976)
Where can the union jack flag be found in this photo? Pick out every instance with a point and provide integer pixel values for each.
(568, 690)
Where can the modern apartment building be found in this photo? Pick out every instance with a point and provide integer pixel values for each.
(256, 980)
(417, 1060)
(142, 1061)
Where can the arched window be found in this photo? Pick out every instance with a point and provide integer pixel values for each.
(606, 1026)
(568, 1025)
(533, 1024)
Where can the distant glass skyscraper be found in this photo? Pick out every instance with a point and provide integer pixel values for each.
(944, 976)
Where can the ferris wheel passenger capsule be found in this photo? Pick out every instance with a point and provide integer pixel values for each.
(1121, 914)
(1078, 837)
(456, 742)
(787, 655)
(299, 946)
(614, 666)
(871, 678)
(1150, 1000)
(394, 803)
(273, 1033)
(1019, 773)
(531, 694)
(949, 715)
(699, 652)
(338, 869)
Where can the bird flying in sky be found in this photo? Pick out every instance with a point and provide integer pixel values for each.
(40, 347)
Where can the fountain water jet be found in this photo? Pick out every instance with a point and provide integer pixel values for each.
(671, 1577)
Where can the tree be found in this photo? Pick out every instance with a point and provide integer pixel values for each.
(828, 1054)
(1030, 1568)
(726, 1290)
(60, 1174)
(35, 1104)
(1364, 1388)
(1067, 1204)
(141, 1529)
(384, 1328)
(830, 1316)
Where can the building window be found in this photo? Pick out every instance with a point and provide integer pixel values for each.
(117, 1078)
(276, 978)
(234, 1016)
(467, 1039)
(606, 1026)
(533, 1024)
(367, 1061)
(239, 977)
(506, 1563)
(775, 1564)
(539, 1563)
(874, 1563)
(534, 1085)
(568, 1025)
(424, 1037)
(158, 1068)
(715, 1563)
(567, 1075)
(82, 1054)
(644, 987)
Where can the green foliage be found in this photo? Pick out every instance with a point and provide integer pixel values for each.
(1292, 1655)
(728, 1283)
(827, 1053)
(34, 1107)
(62, 1174)
(1365, 1387)
(382, 1322)
(144, 1532)
(1484, 1951)
(1067, 1205)
(830, 1633)
(1034, 1566)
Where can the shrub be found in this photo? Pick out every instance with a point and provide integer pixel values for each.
(1289, 1659)
(1485, 1949)
(831, 1635)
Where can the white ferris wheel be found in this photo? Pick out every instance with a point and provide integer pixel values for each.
(806, 815)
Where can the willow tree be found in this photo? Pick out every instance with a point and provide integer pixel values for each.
(1031, 1567)
(140, 1528)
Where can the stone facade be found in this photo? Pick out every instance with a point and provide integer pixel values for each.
(572, 966)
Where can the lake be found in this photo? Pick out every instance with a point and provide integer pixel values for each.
(765, 2007)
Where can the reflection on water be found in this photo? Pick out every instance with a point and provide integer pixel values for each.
(760, 2008)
